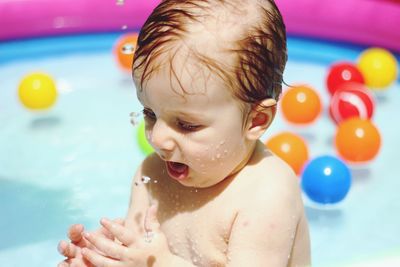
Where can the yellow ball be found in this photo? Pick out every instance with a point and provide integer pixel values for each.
(37, 91)
(379, 68)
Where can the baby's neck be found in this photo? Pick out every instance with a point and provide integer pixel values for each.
(251, 151)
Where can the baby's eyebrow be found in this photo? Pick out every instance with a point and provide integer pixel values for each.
(193, 115)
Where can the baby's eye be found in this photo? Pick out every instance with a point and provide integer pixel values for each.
(149, 114)
(188, 126)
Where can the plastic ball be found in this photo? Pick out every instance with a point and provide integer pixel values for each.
(357, 140)
(37, 91)
(291, 148)
(340, 73)
(124, 50)
(326, 180)
(351, 100)
(301, 104)
(142, 141)
(379, 67)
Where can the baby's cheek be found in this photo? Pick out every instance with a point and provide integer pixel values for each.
(220, 153)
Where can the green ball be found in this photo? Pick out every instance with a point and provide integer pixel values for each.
(142, 141)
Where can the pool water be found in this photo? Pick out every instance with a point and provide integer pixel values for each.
(74, 163)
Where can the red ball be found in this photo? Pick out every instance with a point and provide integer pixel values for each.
(351, 100)
(342, 72)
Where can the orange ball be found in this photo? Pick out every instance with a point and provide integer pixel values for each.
(301, 104)
(357, 140)
(124, 50)
(291, 148)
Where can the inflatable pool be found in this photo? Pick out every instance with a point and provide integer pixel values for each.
(367, 22)
(74, 162)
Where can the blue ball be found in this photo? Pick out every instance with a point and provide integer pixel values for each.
(326, 180)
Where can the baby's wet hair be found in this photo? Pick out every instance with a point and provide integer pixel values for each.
(255, 54)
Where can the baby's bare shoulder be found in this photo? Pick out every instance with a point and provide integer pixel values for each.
(272, 182)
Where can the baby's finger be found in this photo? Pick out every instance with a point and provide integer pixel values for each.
(99, 260)
(120, 232)
(67, 249)
(75, 233)
(106, 246)
(107, 233)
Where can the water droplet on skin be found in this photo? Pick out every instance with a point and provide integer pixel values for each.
(212, 158)
(148, 237)
(146, 179)
(194, 260)
(155, 181)
(225, 151)
(222, 142)
(128, 49)
(218, 156)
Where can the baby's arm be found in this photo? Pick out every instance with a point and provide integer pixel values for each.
(141, 240)
(263, 232)
(72, 249)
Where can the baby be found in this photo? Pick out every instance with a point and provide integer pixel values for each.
(208, 74)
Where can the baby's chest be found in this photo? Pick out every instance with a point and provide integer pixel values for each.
(200, 237)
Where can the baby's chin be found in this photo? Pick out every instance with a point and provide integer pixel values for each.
(202, 181)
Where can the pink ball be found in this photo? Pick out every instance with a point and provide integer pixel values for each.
(351, 100)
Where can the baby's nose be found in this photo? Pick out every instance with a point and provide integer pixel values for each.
(161, 138)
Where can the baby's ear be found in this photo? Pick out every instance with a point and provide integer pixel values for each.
(260, 118)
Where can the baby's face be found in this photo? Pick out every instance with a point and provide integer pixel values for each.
(198, 133)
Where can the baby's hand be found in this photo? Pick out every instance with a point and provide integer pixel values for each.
(143, 247)
(72, 250)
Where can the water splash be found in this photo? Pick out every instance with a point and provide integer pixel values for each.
(134, 118)
(146, 179)
(128, 49)
(143, 180)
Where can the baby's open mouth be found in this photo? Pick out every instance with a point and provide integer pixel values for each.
(176, 170)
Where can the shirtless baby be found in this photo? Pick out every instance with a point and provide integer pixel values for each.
(208, 74)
